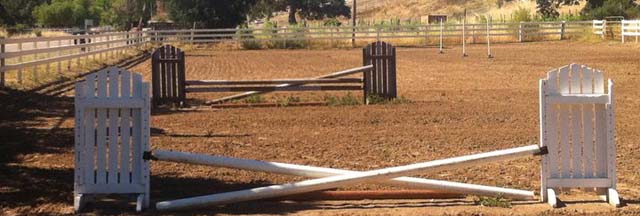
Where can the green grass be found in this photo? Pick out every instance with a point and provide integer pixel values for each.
(498, 201)
(346, 100)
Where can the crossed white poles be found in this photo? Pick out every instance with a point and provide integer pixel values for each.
(328, 178)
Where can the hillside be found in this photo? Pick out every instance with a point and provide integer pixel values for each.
(419, 9)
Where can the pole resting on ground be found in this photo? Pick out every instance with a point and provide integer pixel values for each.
(347, 179)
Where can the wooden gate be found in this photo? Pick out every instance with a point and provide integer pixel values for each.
(111, 135)
(168, 75)
(577, 126)
(382, 79)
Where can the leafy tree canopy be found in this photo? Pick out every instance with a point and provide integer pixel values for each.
(209, 14)
(306, 9)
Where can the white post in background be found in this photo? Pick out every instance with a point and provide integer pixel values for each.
(34, 73)
(604, 29)
(520, 33)
(464, 35)
(562, 27)
(192, 30)
(441, 31)
(19, 75)
(2, 70)
(489, 37)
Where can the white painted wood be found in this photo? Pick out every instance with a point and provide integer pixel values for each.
(585, 128)
(588, 150)
(613, 198)
(578, 98)
(125, 148)
(581, 182)
(600, 127)
(114, 140)
(563, 123)
(113, 127)
(347, 179)
(576, 123)
(553, 199)
(319, 172)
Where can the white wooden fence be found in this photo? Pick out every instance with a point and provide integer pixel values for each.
(47, 55)
(577, 126)
(630, 28)
(599, 27)
(112, 109)
(57, 54)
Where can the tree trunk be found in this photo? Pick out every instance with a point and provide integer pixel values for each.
(293, 8)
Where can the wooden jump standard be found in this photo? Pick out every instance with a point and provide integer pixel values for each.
(378, 78)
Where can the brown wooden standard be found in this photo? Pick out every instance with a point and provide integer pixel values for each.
(381, 81)
(168, 75)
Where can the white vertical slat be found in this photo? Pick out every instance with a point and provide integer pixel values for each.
(90, 130)
(611, 132)
(545, 167)
(137, 132)
(563, 123)
(146, 136)
(601, 130)
(113, 126)
(587, 116)
(125, 152)
(101, 130)
(576, 123)
(551, 125)
(79, 134)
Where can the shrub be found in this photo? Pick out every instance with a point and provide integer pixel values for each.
(499, 201)
(626, 8)
(294, 39)
(247, 40)
(332, 22)
(254, 99)
(38, 33)
(348, 99)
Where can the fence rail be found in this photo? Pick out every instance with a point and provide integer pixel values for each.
(51, 55)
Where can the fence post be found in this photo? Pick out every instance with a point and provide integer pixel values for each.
(622, 30)
(520, 33)
(377, 33)
(562, 26)
(604, 29)
(2, 70)
(426, 35)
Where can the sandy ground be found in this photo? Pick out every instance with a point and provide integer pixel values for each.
(459, 106)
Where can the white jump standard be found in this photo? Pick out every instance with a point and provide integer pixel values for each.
(573, 104)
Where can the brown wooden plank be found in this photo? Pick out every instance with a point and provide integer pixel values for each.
(393, 90)
(182, 96)
(155, 79)
(274, 88)
(275, 81)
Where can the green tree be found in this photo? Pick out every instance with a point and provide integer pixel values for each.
(602, 9)
(209, 14)
(13, 12)
(549, 8)
(307, 9)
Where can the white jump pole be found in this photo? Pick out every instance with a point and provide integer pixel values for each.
(489, 37)
(320, 172)
(347, 179)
